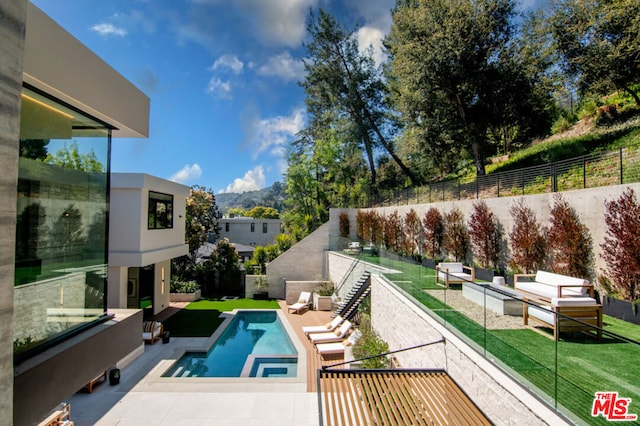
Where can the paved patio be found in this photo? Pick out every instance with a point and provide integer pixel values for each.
(144, 398)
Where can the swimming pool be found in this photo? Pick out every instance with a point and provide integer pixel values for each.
(254, 344)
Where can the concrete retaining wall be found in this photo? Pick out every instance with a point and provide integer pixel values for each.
(305, 261)
(588, 204)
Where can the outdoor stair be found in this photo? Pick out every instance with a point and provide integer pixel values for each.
(349, 304)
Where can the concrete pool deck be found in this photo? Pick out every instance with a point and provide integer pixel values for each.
(144, 398)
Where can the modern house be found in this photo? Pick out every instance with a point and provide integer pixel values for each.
(62, 105)
(250, 231)
(146, 231)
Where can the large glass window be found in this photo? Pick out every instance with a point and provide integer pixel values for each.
(61, 224)
(160, 210)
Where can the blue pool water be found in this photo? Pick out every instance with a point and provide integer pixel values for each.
(254, 344)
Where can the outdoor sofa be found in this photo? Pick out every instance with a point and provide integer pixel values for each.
(559, 302)
(454, 273)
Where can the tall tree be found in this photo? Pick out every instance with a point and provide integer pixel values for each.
(456, 73)
(201, 219)
(599, 41)
(345, 81)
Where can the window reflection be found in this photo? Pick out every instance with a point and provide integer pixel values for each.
(61, 223)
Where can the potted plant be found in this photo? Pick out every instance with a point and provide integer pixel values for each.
(261, 287)
(322, 296)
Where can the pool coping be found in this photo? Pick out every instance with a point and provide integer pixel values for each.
(228, 384)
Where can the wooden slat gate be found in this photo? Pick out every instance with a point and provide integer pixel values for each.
(394, 397)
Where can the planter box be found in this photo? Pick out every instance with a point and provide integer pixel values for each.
(263, 295)
(185, 297)
(322, 303)
(621, 309)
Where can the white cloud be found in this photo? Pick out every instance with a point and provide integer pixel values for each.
(274, 134)
(228, 62)
(187, 174)
(219, 88)
(371, 37)
(252, 180)
(283, 66)
(109, 30)
(278, 22)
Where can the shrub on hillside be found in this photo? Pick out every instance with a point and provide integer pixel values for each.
(484, 231)
(569, 242)
(621, 247)
(412, 233)
(433, 229)
(526, 240)
(456, 237)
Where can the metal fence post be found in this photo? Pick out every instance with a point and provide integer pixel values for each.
(621, 178)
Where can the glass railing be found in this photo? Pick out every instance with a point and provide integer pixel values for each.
(566, 372)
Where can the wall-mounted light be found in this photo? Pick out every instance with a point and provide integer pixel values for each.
(162, 280)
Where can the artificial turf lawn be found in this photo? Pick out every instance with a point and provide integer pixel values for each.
(569, 371)
(201, 318)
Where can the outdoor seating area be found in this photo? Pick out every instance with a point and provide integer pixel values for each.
(454, 273)
(302, 304)
(151, 331)
(565, 315)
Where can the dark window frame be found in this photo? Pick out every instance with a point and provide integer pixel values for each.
(156, 220)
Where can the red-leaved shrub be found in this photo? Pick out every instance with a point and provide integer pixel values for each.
(393, 234)
(525, 239)
(569, 242)
(433, 229)
(485, 235)
(412, 232)
(621, 247)
(456, 237)
(344, 224)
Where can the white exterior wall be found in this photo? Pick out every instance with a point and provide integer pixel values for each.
(132, 244)
(240, 230)
(59, 64)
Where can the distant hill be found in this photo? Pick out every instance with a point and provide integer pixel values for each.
(272, 196)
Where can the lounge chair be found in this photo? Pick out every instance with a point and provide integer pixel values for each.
(152, 330)
(338, 347)
(331, 336)
(325, 328)
(302, 304)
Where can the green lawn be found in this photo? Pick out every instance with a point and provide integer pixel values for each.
(201, 318)
(569, 371)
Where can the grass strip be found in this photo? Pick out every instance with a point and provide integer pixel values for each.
(202, 318)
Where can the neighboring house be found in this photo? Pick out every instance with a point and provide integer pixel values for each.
(146, 231)
(250, 231)
(57, 95)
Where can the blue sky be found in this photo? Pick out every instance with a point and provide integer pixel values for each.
(221, 76)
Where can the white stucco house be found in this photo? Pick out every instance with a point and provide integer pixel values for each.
(146, 231)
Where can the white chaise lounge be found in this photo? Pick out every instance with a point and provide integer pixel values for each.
(332, 336)
(324, 328)
(302, 304)
(454, 273)
(338, 347)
